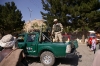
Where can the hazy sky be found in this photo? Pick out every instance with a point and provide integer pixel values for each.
(25, 5)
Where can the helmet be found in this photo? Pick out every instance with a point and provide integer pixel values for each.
(55, 20)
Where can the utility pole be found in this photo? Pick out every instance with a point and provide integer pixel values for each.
(29, 24)
(30, 13)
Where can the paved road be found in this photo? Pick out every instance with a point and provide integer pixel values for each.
(84, 58)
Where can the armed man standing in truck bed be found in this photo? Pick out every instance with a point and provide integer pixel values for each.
(57, 31)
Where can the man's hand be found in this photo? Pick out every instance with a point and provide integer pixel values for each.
(53, 35)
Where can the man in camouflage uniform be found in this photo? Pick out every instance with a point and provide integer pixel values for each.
(57, 31)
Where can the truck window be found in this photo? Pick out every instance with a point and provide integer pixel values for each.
(30, 37)
(20, 38)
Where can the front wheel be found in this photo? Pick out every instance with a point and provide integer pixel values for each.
(47, 58)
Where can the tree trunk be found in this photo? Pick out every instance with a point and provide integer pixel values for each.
(83, 39)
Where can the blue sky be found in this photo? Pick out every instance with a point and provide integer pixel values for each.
(23, 5)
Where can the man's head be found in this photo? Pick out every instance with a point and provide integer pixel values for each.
(55, 20)
(7, 41)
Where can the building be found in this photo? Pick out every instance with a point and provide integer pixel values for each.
(34, 24)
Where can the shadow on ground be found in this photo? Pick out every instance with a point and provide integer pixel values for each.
(31, 60)
(59, 61)
(68, 61)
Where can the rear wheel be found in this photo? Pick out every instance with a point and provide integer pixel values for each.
(47, 58)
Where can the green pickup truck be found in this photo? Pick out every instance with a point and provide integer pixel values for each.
(38, 44)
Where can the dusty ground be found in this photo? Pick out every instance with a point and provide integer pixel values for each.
(84, 58)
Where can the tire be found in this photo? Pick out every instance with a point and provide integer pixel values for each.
(25, 63)
(47, 58)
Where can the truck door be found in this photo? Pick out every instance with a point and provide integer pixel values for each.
(31, 44)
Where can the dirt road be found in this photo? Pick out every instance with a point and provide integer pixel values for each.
(84, 58)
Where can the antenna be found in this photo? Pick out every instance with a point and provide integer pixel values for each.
(30, 12)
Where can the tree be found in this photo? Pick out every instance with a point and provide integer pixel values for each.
(83, 14)
(10, 18)
(54, 9)
(87, 12)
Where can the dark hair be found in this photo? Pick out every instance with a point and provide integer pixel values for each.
(97, 30)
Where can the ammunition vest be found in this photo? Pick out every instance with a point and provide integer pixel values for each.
(57, 28)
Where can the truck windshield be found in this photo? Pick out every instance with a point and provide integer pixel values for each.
(92, 34)
(31, 37)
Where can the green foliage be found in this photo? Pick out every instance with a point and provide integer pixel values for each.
(10, 18)
(36, 26)
(84, 14)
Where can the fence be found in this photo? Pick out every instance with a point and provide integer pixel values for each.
(81, 37)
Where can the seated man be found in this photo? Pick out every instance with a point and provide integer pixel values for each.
(9, 56)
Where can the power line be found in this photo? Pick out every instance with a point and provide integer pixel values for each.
(30, 12)
(35, 4)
